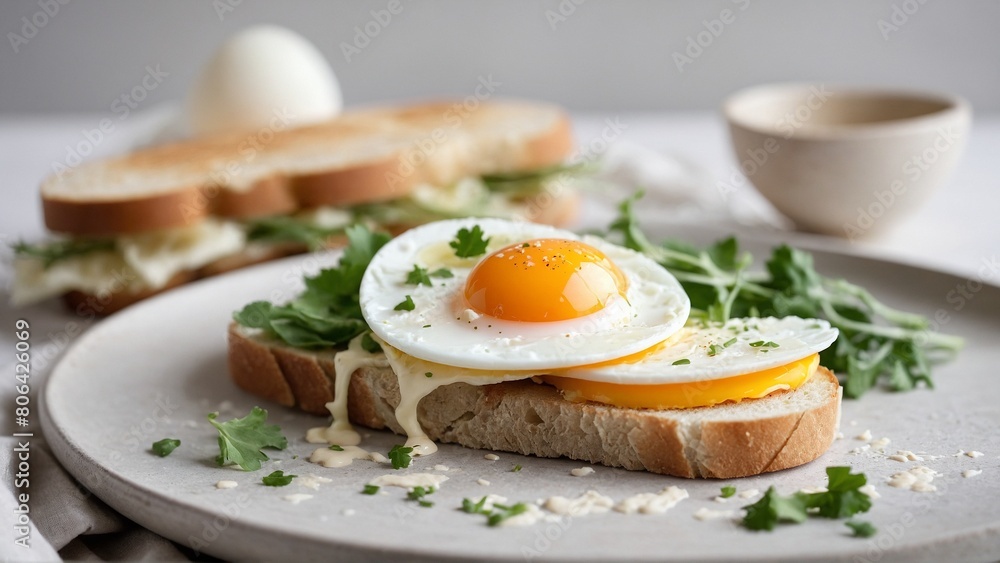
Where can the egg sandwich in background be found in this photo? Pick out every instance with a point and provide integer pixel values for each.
(519, 337)
(131, 226)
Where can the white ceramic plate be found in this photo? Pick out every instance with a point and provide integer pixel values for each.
(156, 369)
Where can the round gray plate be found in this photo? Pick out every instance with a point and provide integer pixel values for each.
(156, 370)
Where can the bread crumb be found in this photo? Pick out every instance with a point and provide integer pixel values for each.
(440, 467)
(313, 482)
(812, 490)
(483, 482)
(971, 473)
(296, 498)
(881, 443)
(916, 479)
(581, 471)
(491, 457)
(869, 490)
(865, 436)
(897, 457)
(749, 493)
(226, 484)
(974, 454)
(708, 514)
(910, 456)
(721, 500)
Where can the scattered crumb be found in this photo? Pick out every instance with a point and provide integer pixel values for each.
(908, 455)
(881, 443)
(869, 490)
(971, 473)
(865, 436)
(749, 493)
(440, 467)
(225, 484)
(348, 512)
(296, 498)
(838, 436)
(483, 482)
(652, 503)
(313, 482)
(581, 471)
(974, 454)
(916, 479)
(857, 451)
(378, 458)
(707, 514)
(590, 502)
(409, 481)
(721, 500)
(491, 457)
(897, 457)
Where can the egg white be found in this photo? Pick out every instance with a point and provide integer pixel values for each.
(796, 338)
(442, 329)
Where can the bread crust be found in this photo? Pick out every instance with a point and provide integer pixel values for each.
(534, 419)
(275, 180)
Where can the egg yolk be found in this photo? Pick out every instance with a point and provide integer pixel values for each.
(544, 280)
(687, 395)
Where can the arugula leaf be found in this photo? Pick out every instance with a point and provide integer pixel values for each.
(327, 312)
(405, 305)
(773, 508)
(502, 512)
(54, 251)
(861, 528)
(277, 479)
(728, 491)
(876, 343)
(164, 447)
(242, 439)
(400, 456)
(469, 243)
(516, 468)
(369, 345)
(370, 489)
(418, 276)
(526, 182)
(290, 229)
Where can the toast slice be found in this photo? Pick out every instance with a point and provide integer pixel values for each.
(782, 430)
(363, 156)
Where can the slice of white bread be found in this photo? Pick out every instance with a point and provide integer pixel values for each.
(782, 430)
(362, 156)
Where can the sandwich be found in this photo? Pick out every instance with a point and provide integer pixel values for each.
(519, 337)
(134, 225)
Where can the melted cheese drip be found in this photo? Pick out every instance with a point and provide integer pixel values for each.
(687, 395)
(340, 431)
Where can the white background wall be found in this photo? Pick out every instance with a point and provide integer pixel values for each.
(596, 55)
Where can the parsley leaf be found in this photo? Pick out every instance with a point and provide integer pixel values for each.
(502, 512)
(336, 448)
(400, 456)
(876, 344)
(843, 497)
(405, 305)
(54, 251)
(418, 493)
(474, 507)
(681, 362)
(418, 276)
(278, 479)
(327, 312)
(516, 468)
(370, 489)
(242, 439)
(528, 182)
(728, 491)
(164, 447)
(469, 243)
(369, 345)
(861, 528)
(774, 508)
(442, 273)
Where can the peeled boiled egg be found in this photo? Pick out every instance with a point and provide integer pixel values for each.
(265, 76)
(538, 298)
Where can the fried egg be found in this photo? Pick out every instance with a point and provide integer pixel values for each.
(539, 298)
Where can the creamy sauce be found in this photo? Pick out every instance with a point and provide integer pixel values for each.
(590, 502)
(652, 503)
(333, 458)
(226, 484)
(869, 490)
(313, 482)
(708, 514)
(296, 498)
(409, 481)
(345, 363)
(581, 471)
(971, 473)
(749, 493)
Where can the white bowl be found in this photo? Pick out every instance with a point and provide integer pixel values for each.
(845, 161)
